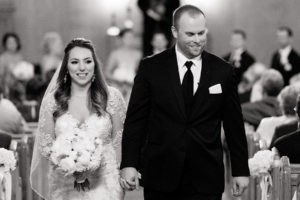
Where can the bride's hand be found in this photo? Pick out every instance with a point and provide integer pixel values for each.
(129, 179)
(80, 176)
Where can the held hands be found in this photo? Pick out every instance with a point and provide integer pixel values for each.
(129, 179)
(239, 185)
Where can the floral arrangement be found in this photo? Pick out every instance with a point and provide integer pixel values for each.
(23, 71)
(75, 154)
(261, 163)
(7, 160)
(260, 166)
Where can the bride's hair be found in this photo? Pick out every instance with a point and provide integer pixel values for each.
(98, 91)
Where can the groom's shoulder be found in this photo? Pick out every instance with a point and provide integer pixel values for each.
(214, 58)
(160, 56)
(216, 62)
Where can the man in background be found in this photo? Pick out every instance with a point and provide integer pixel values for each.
(239, 57)
(286, 59)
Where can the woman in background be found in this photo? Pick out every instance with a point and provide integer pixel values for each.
(9, 59)
(123, 63)
(52, 52)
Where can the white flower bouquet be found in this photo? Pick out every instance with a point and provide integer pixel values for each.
(260, 166)
(261, 163)
(7, 160)
(75, 154)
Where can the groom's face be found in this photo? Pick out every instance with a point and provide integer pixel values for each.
(191, 34)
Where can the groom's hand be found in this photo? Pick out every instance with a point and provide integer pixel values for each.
(129, 178)
(239, 185)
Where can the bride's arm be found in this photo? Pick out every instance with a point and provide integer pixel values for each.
(117, 109)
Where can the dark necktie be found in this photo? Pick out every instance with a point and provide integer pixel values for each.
(188, 87)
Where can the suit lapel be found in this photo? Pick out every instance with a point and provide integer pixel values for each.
(175, 80)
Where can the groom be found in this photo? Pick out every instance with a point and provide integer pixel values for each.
(179, 101)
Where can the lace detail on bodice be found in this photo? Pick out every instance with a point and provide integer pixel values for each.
(93, 125)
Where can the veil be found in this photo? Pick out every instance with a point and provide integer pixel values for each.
(44, 137)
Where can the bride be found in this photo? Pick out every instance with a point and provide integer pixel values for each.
(78, 99)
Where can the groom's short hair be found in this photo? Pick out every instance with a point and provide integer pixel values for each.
(191, 10)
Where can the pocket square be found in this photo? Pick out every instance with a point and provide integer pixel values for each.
(215, 89)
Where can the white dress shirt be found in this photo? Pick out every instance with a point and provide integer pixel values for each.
(284, 54)
(195, 68)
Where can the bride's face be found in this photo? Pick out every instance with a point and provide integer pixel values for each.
(81, 66)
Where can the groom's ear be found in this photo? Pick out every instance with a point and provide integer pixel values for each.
(174, 32)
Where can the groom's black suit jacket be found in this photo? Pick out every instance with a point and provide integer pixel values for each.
(173, 143)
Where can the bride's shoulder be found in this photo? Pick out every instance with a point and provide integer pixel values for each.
(115, 98)
(113, 93)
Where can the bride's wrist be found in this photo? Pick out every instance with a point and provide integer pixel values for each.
(80, 177)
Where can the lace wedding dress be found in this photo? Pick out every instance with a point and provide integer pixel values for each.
(104, 182)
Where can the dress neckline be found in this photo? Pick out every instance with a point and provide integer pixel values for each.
(78, 122)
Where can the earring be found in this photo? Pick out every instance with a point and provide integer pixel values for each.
(93, 78)
(65, 78)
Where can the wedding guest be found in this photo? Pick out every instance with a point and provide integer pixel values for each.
(159, 42)
(286, 59)
(239, 57)
(11, 120)
(9, 59)
(52, 46)
(123, 62)
(157, 17)
(249, 89)
(283, 130)
(271, 84)
(287, 101)
(288, 145)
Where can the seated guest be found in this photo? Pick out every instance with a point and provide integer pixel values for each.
(35, 89)
(11, 121)
(288, 145)
(286, 59)
(271, 84)
(239, 57)
(287, 102)
(283, 130)
(247, 88)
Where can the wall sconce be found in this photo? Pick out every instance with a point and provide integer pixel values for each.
(113, 30)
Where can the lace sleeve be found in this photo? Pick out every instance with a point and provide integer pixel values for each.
(45, 134)
(117, 109)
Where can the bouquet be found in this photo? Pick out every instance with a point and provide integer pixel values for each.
(76, 153)
(260, 166)
(23, 71)
(7, 161)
